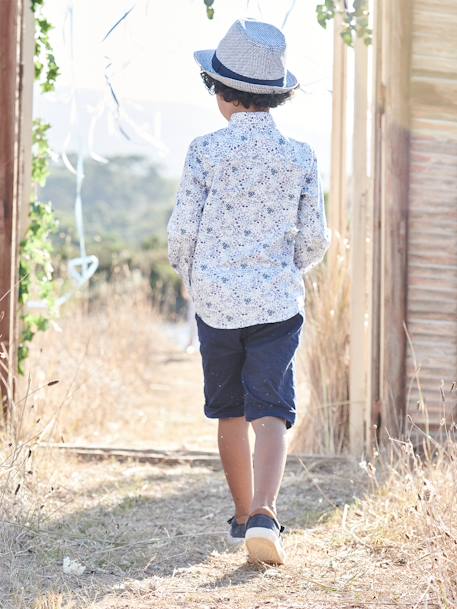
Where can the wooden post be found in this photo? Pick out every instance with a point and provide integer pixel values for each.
(9, 78)
(389, 217)
(16, 77)
(337, 208)
(394, 209)
(26, 116)
(359, 361)
(374, 234)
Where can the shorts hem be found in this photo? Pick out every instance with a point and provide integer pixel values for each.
(287, 417)
(225, 415)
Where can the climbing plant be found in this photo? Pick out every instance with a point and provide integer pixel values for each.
(35, 258)
(46, 69)
(209, 8)
(355, 20)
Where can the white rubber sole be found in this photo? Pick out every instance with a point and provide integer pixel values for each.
(264, 545)
(235, 542)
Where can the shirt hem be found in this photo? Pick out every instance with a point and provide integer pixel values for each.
(252, 321)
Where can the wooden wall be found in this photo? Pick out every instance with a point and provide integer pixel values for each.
(17, 30)
(9, 122)
(388, 201)
(432, 214)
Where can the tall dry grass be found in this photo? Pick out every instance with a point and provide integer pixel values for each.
(324, 356)
(99, 351)
(21, 494)
(123, 379)
(409, 517)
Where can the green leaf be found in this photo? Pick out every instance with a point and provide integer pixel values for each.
(358, 5)
(35, 263)
(321, 15)
(35, 4)
(42, 323)
(346, 35)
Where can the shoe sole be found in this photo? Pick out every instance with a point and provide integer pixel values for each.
(264, 545)
(236, 542)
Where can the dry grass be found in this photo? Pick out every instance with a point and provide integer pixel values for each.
(410, 518)
(377, 534)
(381, 535)
(116, 370)
(324, 358)
(151, 536)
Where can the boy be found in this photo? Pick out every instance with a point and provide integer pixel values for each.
(248, 222)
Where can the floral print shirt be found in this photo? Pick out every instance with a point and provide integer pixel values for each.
(248, 222)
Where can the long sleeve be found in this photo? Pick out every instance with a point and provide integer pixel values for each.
(313, 237)
(185, 219)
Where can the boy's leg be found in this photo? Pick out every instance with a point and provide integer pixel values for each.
(223, 358)
(270, 455)
(235, 451)
(269, 382)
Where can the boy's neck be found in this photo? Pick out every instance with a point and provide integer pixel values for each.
(237, 109)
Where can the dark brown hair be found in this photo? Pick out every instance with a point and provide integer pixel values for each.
(246, 99)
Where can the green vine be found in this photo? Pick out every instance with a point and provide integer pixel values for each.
(209, 8)
(46, 69)
(40, 151)
(35, 260)
(35, 274)
(356, 21)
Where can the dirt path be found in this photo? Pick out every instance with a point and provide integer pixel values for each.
(152, 536)
(122, 382)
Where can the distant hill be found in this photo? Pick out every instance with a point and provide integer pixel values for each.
(126, 200)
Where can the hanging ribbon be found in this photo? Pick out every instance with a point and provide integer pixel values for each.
(291, 8)
(121, 116)
(82, 268)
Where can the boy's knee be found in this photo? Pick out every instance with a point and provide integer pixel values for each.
(269, 422)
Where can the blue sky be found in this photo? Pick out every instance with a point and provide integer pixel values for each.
(157, 80)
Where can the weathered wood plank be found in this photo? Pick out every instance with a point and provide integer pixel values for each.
(10, 13)
(374, 232)
(396, 56)
(435, 7)
(359, 414)
(432, 226)
(432, 371)
(432, 126)
(172, 457)
(338, 170)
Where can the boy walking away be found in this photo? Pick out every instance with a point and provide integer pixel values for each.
(248, 222)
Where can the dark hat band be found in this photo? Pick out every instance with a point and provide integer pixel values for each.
(224, 71)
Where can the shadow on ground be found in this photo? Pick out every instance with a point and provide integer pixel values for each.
(138, 522)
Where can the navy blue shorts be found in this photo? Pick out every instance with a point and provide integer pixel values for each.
(250, 371)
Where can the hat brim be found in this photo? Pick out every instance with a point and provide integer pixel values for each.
(204, 58)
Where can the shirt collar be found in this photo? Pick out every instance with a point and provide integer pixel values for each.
(252, 120)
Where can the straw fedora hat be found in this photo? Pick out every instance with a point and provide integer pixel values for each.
(250, 57)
